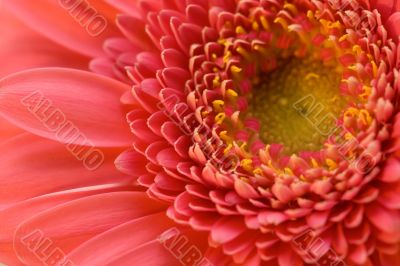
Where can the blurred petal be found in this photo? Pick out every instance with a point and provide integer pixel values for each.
(54, 102)
(15, 215)
(73, 223)
(105, 247)
(61, 22)
(21, 48)
(32, 166)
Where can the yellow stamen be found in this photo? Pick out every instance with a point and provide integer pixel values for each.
(222, 41)
(216, 81)
(366, 93)
(219, 118)
(291, 7)
(351, 112)
(247, 164)
(243, 147)
(314, 163)
(310, 15)
(357, 49)
(365, 117)
(289, 171)
(228, 148)
(260, 49)
(240, 30)
(336, 24)
(348, 136)
(255, 26)
(258, 171)
(281, 21)
(264, 23)
(231, 94)
(236, 69)
(243, 52)
(331, 164)
(311, 75)
(245, 179)
(227, 56)
(374, 68)
(352, 67)
(205, 113)
(218, 105)
(223, 134)
(344, 37)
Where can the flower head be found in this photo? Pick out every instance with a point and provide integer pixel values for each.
(284, 125)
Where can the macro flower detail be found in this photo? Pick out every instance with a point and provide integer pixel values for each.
(294, 95)
(250, 132)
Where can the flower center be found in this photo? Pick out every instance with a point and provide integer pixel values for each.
(296, 104)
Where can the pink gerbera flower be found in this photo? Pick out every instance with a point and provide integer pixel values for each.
(220, 132)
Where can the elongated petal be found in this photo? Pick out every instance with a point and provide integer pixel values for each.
(392, 25)
(8, 130)
(22, 48)
(386, 7)
(15, 215)
(151, 253)
(73, 223)
(62, 104)
(82, 26)
(127, 6)
(105, 247)
(32, 166)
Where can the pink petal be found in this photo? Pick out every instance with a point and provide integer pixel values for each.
(151, 253)
(317, 219)
(227, 229)
(132, 163)
(174, 246)
(136, 34)
(390, 196)
(272, 217)
(16, 214)
(384, 219)
(391, 171)
(32, 166)
(8, 130)
(52, 102)
(12, 217)
(71, 224)
(358, 254)
(282, 192)
(53, 20)
(385, 7)
(127, 6)
(339, 242)
(289, 257)
(103, 248)
(245, 190)
(168, 158)
(392, 25)
(21, 48)
(389, 260)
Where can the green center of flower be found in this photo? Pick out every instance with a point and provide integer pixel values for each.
(297, 104)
